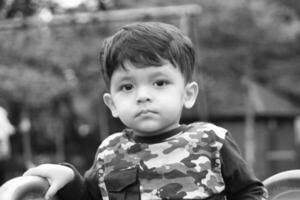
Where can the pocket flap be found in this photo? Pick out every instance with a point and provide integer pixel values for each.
(117, 181)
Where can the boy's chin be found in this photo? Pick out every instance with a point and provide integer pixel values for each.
(146, 130)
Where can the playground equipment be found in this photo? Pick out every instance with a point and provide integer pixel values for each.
(24, 188)
(284, 185)
(281, 186)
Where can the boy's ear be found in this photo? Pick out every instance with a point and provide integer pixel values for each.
(191, 93)
(110, 104)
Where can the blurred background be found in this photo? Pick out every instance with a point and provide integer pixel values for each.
(51, 109)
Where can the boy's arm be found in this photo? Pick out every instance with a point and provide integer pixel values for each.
(240, 180)
(81, 188)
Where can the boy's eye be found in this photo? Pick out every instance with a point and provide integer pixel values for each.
(160, 83)
(126, 87)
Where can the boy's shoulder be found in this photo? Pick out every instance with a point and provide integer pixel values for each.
(113, 139)
(209, 128)
(194, 130)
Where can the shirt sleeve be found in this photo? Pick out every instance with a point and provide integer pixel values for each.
(82, 188)
(88, 186)
(240, 180)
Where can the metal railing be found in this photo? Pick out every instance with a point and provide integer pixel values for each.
(24, 188)
(133, 14)
(281, 186)
(284, 185)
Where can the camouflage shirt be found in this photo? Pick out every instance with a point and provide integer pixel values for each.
(185, 163)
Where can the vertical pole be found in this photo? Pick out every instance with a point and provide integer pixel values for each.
(249, 106)
(203, 106)
(103, 122)
(297, 138)
(59, 142)
(25, 127)
(188, 25)
(249, 125)
(184, 23)
(59, 130)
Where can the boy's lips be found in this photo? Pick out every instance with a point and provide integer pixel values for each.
(145, 112)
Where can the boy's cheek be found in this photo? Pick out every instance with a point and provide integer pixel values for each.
(124, 100)
(124, 107)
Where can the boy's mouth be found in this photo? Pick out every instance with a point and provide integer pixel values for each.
(145, 112)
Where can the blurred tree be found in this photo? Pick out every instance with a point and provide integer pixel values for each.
(291, 4)
(49, 69)
(18, 8)
(240, 35)
(26, 8)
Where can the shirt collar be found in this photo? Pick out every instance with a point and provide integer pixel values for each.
(155, 138)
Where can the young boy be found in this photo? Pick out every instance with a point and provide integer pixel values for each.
(148, 68)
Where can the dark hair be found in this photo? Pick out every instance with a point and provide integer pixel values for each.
(147, 43)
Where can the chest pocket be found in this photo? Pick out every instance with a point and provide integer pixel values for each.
(123, 185)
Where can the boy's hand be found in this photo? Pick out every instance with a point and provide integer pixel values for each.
(57, 175)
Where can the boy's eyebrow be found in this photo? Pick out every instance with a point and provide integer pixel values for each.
(124, 77)
(159, 73)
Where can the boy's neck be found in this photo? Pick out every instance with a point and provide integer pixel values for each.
(159, 137)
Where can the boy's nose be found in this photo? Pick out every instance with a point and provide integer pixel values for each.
(143, 95)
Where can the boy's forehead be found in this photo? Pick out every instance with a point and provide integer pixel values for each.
(131, 70)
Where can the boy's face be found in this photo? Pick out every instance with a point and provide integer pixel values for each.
(149, 100)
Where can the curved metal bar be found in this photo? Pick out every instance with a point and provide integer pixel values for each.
(28, 187)
(280, 186)
(284, 185)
